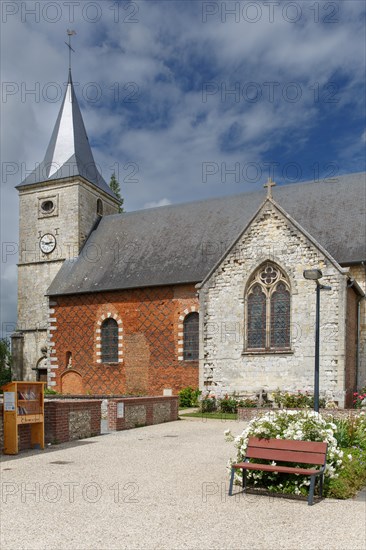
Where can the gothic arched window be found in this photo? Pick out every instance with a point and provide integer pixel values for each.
(268, 310)
(190, 337)
(109, 338)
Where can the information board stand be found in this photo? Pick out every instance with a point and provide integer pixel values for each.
(23, 404)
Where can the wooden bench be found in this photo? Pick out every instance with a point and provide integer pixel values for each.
(313, 453)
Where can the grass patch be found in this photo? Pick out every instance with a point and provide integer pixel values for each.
(352, 477)
(215, 415)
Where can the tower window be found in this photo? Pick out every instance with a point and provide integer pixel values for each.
(99, 207)
(109, 334)
(47, 206)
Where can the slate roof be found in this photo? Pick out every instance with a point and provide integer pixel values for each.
(181, 243)
(68, 153)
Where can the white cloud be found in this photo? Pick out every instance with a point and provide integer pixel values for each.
(170, 132)
(154, 204)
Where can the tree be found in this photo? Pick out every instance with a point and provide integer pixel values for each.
(5, 361)
(115, 186)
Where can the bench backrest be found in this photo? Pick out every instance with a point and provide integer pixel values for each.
(284, 450)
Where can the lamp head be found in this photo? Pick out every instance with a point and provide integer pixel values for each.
(313, 274)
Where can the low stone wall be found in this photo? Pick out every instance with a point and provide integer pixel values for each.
(64, 420)
(247, 413)
(70, 419)
(132, 412)
(67, 419)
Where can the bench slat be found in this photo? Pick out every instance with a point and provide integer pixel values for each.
(285, 456)
(286, 444)
(270, 468)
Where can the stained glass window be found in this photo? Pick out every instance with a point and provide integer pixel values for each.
(109, 333)
(190, 337)
(268, 310)
(280, 317)
(257, 318)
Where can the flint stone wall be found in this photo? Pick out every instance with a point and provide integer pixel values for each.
(225, 365)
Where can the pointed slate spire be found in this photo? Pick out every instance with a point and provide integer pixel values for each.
(68, 153)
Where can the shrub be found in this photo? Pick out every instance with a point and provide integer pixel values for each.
(351, 431)
(358, 398)
(49, 391)
(284, 424)
(188, 397)
(352, 476)
(248, 403)
(297, 400)
(228, 405)
(208, 404)
(5, 361)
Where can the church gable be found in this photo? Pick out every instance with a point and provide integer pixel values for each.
(258, 312)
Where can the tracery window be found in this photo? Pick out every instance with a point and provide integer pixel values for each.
(109, 340)
(190, 337)
(268, 310)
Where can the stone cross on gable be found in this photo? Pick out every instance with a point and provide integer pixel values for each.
(270, 183)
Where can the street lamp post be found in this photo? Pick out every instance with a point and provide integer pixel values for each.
(315, 275)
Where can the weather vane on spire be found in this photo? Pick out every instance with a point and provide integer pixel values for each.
(68, 44)
(270, 183)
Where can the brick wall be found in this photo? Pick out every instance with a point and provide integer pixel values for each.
(149, 322)
(65, 420)
(142, 411)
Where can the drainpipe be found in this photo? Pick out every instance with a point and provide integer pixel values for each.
(358, 361)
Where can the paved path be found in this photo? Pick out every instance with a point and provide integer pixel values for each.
(159, 487)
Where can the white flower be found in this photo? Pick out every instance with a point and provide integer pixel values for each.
(350, 457)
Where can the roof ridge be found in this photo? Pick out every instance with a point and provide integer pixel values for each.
(234, 195)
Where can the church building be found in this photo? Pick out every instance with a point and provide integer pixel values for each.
(209, 293)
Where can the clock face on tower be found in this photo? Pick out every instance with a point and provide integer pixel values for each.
(47, 243)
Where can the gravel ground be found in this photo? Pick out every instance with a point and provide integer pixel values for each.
(161, 487)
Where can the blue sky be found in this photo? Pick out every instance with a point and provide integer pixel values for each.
(187, 100)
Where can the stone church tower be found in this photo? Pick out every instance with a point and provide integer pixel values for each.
(61, 202)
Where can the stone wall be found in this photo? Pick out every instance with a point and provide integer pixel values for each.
(150, 336)
(247, 414)
(88, 197)
(141, 411)
(225, 363)
(67, 420)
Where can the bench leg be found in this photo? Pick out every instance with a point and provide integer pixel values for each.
(231, 482)
(311, 491)
(244, 481)
(321, 485)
